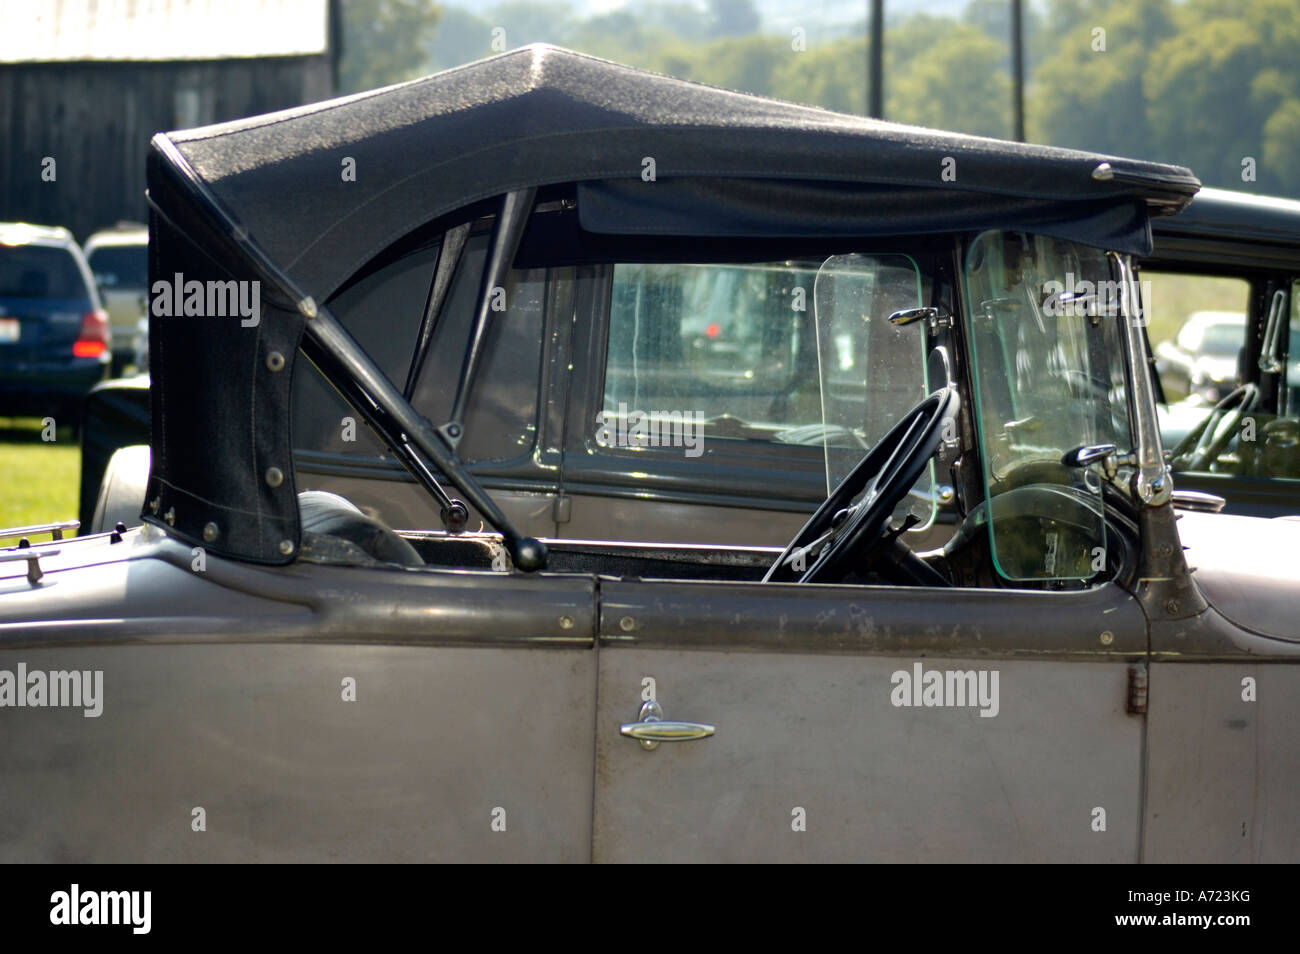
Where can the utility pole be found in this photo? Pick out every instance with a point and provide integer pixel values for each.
(876, 60)
(1018, 68)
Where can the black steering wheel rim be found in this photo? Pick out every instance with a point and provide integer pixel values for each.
(1205, 442)
(886, 473)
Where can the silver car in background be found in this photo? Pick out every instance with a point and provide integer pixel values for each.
(119, 260)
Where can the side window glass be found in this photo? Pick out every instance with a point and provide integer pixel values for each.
(1256, 438)
(1274, 451)
(872, 371)
(1216, 420)
(712, 351)
(501, 416)
(382, 312)
(793, 353)
(1197, 327)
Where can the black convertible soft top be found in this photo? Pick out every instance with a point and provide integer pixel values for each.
(543, 115)
(321, 190)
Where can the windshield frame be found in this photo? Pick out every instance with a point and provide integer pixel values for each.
(1092, 351)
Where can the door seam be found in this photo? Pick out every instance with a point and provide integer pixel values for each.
(595, 717)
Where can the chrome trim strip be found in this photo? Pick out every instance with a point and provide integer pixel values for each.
(55, 529)
(1152, 483)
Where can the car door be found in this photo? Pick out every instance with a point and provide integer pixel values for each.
(825, 749)
(305, 714)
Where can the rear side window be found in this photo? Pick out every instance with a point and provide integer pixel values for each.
(383, 312)
(722, 343)
(39, 271)
(120, 266)
(501, 417)
(796, 352)
(734, 358)
(1196, 325)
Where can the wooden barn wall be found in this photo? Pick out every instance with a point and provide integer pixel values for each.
(95, 120)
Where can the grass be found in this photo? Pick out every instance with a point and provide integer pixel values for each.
(39, 480)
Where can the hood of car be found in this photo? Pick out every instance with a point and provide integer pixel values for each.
(1248, 568)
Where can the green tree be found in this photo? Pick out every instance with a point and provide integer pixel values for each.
(527, 21)
(994, 18)
(1089, 92)
(733, 17)
(1186, 81)
(831, 75)
(748, 63)
(1225, 89)
(684, 21)
(1063, 16)
(1280, 148)
(461, 37)
(619, 36)
(385, 42)
(947, 78)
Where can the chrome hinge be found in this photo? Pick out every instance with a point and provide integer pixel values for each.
(33, 558)
(1137, 689)
(562, 508)
(55, 529)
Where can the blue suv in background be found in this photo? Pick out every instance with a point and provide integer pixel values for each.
(54, 333)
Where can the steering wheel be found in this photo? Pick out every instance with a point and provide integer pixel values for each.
(842, 532)
(1203, 445)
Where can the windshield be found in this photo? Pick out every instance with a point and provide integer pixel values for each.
(1049, 378)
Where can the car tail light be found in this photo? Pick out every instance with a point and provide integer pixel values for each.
(92, 341)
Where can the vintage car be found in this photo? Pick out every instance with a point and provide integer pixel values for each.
(1086, 664)
(1239, 437)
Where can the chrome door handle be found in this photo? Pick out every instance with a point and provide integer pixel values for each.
(652, 729)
